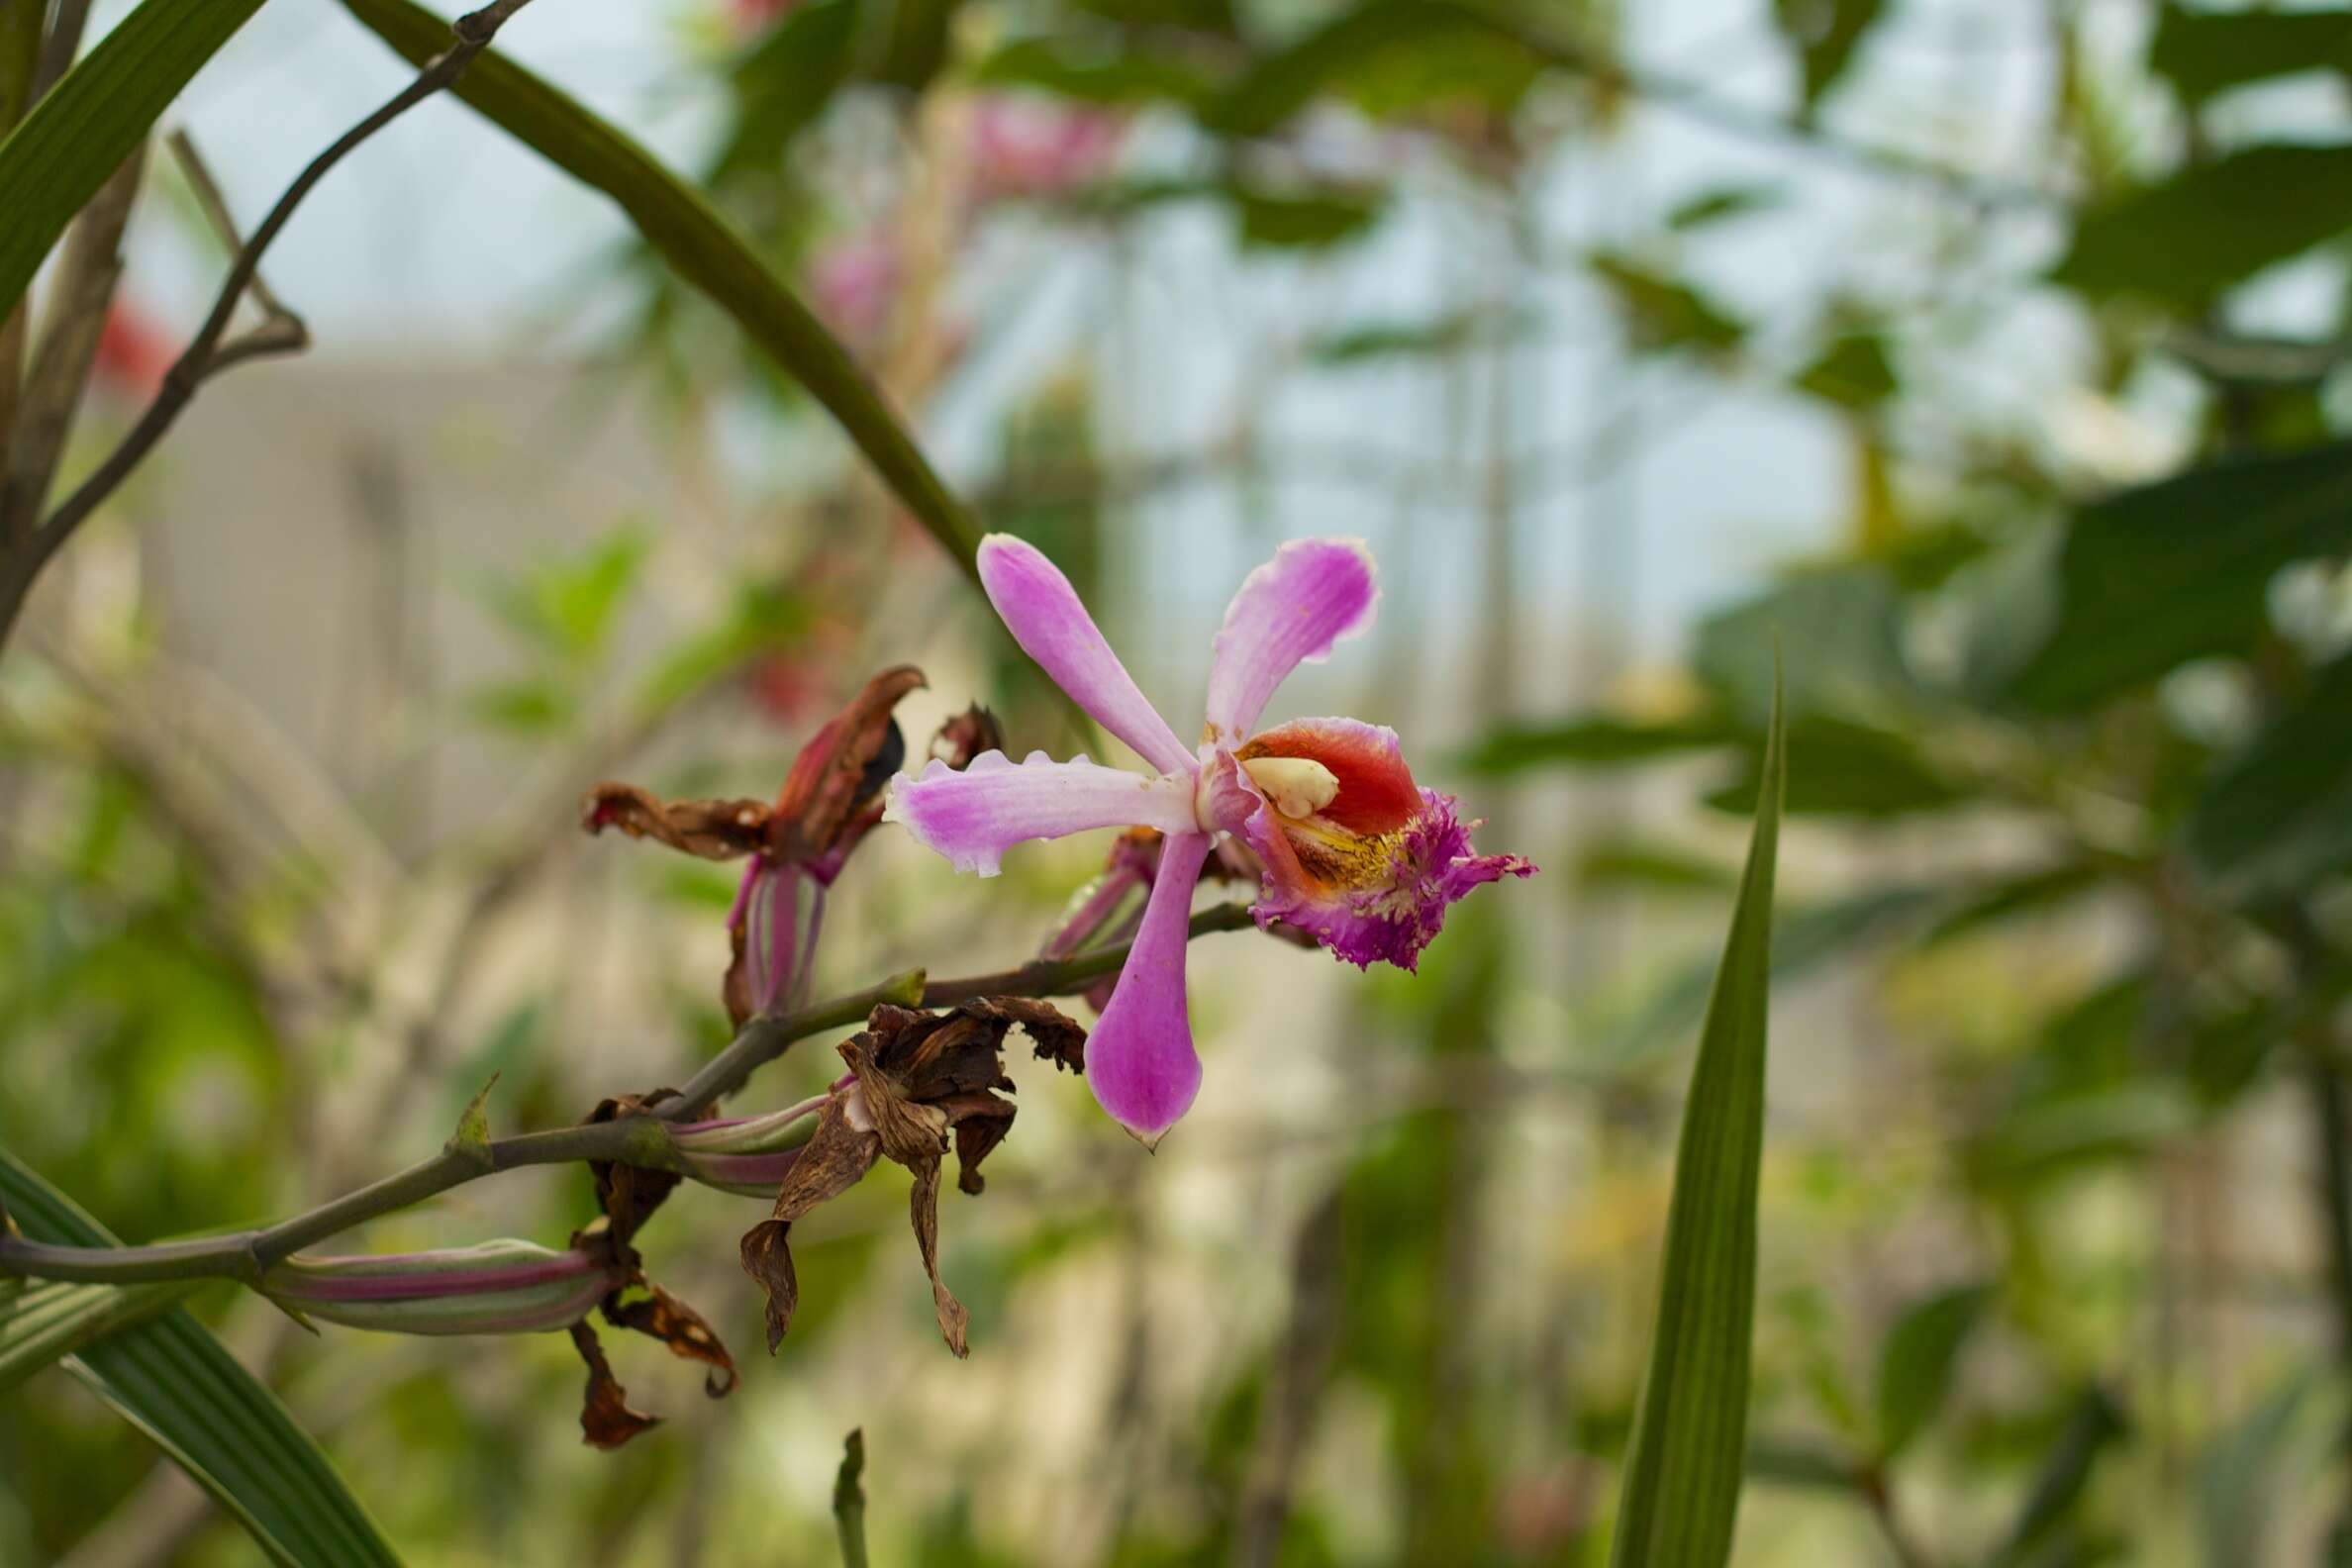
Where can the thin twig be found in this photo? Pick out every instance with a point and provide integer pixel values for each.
(630, 1140)
(77, 319)
(59, 49)
(207, 191)
(207, 356)
(849, 1503)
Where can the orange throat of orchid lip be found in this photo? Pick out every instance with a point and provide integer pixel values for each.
(1341, 800)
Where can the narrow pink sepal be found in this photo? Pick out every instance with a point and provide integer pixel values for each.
(1289, 612)
(1045, 617)
(975, 814)
(1140, 1061)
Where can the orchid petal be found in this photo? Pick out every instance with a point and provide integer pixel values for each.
(1289, 612)
(973, 815)
(1140, 1061)
(1043, 611)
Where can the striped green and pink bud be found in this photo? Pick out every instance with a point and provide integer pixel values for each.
(496, 1288)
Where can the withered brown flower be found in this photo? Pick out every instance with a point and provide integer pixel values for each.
(831, 800)
(915, 1079)
(606, 1419)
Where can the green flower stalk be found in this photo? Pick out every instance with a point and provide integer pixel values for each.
(749, 1155)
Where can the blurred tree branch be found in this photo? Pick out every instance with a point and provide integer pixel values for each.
(209, 353)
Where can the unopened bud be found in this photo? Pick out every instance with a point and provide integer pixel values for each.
(498, 1287)
(778, 914)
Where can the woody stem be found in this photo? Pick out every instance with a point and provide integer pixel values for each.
(642, 1139)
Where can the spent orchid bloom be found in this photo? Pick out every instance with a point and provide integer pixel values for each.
(1355, 854)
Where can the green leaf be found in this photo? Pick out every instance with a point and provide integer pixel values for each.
(173, 1381)
(1916, 1362)
(1301, 221)
(530, 707)
(1665, 314)
(1852, 371)
(701, 245)
(2184, 240)
(2239, 1496)
(1852, 769)
(45, 1320)
(1380, 341)
(1101, 76)
(1722, 203)
(2091, 1425)
(1804, 942)
(910, 45)
(2153, 577)
(2045, 1136)
(2278, 817)
(2206, 53)
(1213, 17)
(786, 82)
(1689, 1441)
(1841, 629)
(1659, 867)
(1392, 55)
(1801, 1465)
(75, 138)
(2005, 900)
(1594, 740)
(1825, 34)
(762, 619)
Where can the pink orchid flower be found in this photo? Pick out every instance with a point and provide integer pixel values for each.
(1354, 853)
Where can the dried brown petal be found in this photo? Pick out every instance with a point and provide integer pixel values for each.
(767, 1259)
(678, 1325)
(923, 1209)
(606, 1421)
(981, 1121)
(715, 830)
(919, 1077)
(910, 1130)
(966, 736)
(835, 1159)
(629, 1194)
(1057, 1038)
(831, 797)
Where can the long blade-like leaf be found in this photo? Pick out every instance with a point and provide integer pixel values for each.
(173, 1380)
(1682, 1477)
(77, 135)
(706, 249)
(43, 1322)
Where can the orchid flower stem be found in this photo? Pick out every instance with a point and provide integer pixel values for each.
(630, 1140)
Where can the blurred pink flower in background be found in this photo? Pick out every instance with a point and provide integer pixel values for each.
(751, 15)
(853, 282)
(1023, 146)
(133, 352)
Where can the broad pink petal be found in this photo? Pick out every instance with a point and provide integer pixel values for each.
(975, 814)
(1290, 611)
(1043, 611)
(1140, 1059)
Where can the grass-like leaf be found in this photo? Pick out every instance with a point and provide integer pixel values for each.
(1683, 1471)
(701, 245)
(42, 1321)
(77, 135)
(175, 1380)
